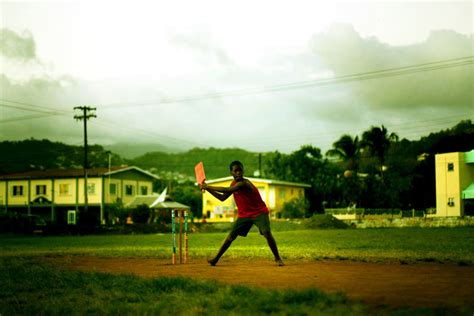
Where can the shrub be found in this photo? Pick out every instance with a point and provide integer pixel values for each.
(325, 221)
(117, 210)
(295, 208)
(141, 214)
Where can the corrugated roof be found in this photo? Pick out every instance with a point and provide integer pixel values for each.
(151, 201)
(142, 199)
(132, 168)
(171, 205)
(269, 181)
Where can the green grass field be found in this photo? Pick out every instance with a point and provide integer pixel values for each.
(31, 288)
(409, 244)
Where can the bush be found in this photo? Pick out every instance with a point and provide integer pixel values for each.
(295, 208)
(116, 210)
(325, 221)
(141, 214)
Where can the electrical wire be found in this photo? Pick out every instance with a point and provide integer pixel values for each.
(390, 72)
(32, 107)
(384, 73)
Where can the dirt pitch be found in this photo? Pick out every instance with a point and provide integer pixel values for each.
(377, 284)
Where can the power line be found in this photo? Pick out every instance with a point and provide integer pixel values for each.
(46, 111)
(104, 123)
(145, 132)
(23, 118)
(456, 62)
(323, 135)
(58, 112)
(32, 107)
(384, 73)
(389, 72)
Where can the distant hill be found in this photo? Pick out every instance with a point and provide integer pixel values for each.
(216, 161)
(31, 154)
(134, 150)
(17, 156)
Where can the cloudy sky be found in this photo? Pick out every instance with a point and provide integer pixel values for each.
(259, 75)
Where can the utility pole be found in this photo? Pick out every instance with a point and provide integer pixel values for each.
(107, 189)
(85, 116)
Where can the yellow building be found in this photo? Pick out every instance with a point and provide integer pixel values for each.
(454, 183)
(274, 193)
(58, 194)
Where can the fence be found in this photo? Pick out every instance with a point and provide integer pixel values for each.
(362, 213)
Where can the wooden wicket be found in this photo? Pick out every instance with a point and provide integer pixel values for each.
(182, 216)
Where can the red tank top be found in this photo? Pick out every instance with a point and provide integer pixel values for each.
(249, 203)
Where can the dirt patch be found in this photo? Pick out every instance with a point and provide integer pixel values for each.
(390, 284)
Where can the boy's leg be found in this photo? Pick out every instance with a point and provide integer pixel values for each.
(241, 227)
(225, 245)
(273, 246)
(263, 223)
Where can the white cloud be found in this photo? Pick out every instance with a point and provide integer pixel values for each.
(345, 52)
(17, 46)
(126, 57)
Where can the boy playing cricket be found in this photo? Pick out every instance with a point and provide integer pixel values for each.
(250, 208)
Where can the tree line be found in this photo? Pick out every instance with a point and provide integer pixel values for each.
(372, 170)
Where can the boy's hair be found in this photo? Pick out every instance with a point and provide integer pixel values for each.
(235, 163)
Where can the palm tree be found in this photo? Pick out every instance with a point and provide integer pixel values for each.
(377, 141)
(347, 149)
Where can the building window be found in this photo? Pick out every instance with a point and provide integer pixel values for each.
(71, 217)
(91, 188)
(64, 189)
(450, 166)
(113, 189)
(41, 189)
(17, 190)
(129, 189)
(143, 190)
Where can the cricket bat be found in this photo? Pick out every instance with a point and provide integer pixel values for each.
(200, 175)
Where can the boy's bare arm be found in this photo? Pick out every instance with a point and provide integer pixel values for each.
(222, 193)
(218, 195)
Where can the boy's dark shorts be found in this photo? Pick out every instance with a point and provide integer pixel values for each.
(242, 226)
